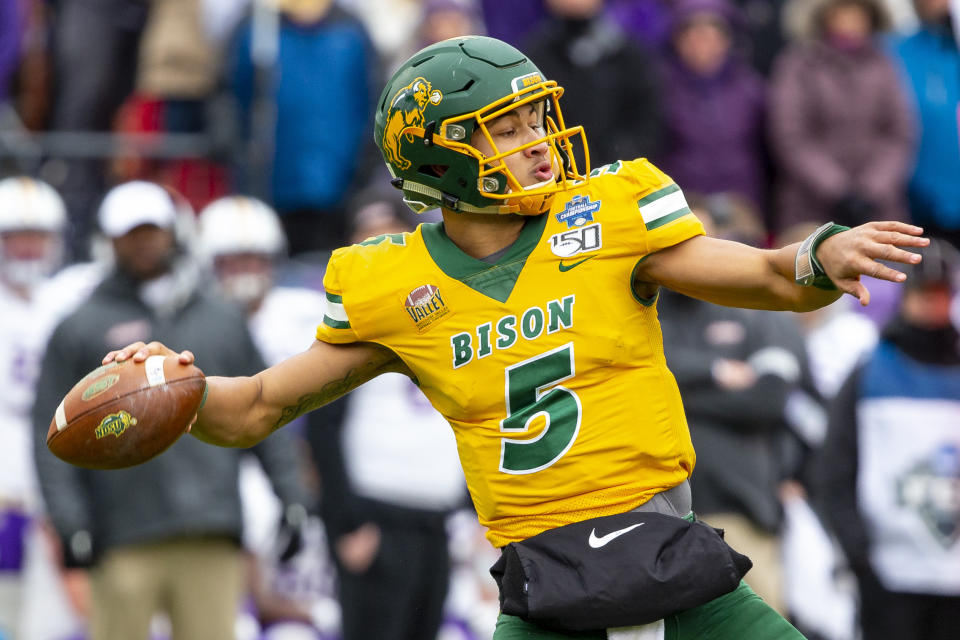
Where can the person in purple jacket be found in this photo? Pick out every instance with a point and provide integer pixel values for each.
(713, 105)
(840, 125)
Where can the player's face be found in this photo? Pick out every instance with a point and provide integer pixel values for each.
(702, 44)
(575, 8)
(245, 278)
(304, 11)
(850, 22)
(932, 10)
(27, 256)
(929, 306)
(523, 125)
(27, 245)
(145, 251)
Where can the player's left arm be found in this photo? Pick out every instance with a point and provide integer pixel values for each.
(738, 275)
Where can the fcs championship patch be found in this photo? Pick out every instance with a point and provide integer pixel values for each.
(406, 110)
(578, 211)
(425, 306)
(115, 424)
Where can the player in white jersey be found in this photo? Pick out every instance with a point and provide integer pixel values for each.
(32, 222)
(241, 241)
(391, 477)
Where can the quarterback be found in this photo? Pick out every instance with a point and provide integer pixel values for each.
(528, 317)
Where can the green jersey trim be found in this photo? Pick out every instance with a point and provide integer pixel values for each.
(667, 219)
(647, 302)
(334, 315)
(492, 280)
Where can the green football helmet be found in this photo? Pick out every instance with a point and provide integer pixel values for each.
(436, 101)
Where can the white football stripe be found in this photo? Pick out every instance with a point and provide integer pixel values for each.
(663, 206)
(154, 368)
(61, 417)
(335, 311)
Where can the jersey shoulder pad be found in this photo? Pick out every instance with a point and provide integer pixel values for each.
(650, 201)
(355, 275)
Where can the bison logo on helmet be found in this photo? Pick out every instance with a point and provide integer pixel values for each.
(406, 110)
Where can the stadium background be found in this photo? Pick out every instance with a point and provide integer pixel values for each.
(274, 99)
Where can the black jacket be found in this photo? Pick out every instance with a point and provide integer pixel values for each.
(611, 86)
(738, 435)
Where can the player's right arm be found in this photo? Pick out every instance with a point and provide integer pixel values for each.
(241, 411)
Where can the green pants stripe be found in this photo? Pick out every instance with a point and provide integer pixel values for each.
(738, 615)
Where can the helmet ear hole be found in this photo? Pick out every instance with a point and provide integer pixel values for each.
(433, 170)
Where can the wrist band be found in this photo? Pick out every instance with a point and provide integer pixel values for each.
(203, 399)
(807, 269)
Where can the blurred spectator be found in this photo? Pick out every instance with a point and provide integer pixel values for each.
(32, 220)
(390, 477)
(589, 55)
(162, 536)
(33, 80)
(11, 28)
(511, 21)
(390, 23)
(890, 466)
(796, 16)
(713, 105)
(764, 25)
(319, 84)
(840, 159)
(179, 65)
(444, 19)
(34, 298)
(735, 369)
(220, 17)
(902, 14)
(95, 51)
(818, 587)
(474, 597)
(930, 60)
(439, 20)
(177, 59)
(242, 243)
(646, 21)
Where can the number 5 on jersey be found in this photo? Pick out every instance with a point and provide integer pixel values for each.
(527, 398)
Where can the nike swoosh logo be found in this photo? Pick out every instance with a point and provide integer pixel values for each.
(596, 542)
(567, 267)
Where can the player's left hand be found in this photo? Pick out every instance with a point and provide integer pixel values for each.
(847, 256)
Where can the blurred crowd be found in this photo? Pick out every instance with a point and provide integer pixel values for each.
(181, 169)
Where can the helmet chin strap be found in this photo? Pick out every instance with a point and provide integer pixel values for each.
(533, 205)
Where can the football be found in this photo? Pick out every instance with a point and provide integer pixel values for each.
(122, 414)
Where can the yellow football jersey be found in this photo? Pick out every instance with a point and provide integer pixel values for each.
(547, 364)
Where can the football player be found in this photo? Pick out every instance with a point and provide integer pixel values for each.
(241, 241)
(528, 316)
(32, 222)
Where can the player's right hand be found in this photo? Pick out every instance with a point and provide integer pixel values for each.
(140, 351)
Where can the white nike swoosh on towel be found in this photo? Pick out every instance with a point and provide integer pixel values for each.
(596, 542)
